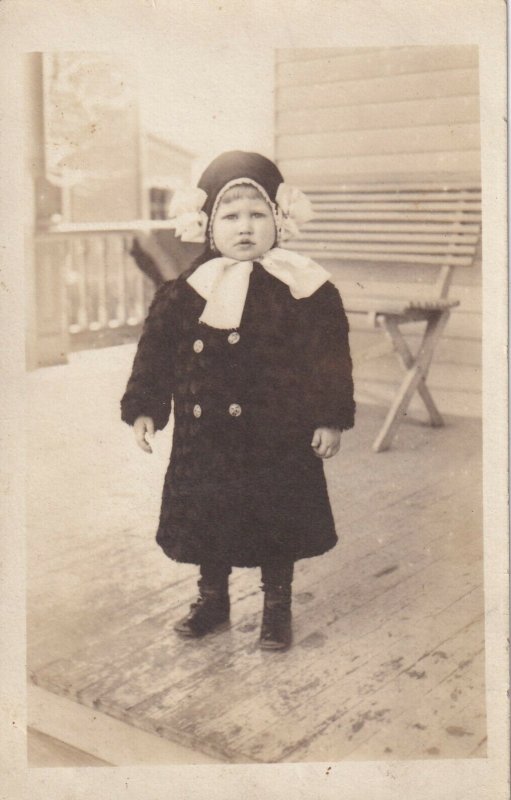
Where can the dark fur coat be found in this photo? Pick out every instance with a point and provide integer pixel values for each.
(243, 485)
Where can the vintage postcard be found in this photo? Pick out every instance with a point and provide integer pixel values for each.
(255, 520)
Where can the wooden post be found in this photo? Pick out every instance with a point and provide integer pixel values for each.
(47, 336)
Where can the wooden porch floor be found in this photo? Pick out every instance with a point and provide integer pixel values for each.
(388, 655)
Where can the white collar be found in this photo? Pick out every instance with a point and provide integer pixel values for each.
(223, 283)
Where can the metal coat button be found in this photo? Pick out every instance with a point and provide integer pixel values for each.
(197, 411)
(234, 410)
(233, 337)
(198, 346)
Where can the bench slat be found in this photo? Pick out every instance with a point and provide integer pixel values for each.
(411, 216)
(364, 236)
(393, 227)
(428, 197)
(453, 208)
(363, 188)
(395, 305)
(354, 247)
(332, 252)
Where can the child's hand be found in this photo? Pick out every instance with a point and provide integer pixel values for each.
(326, 442)
(143, 427)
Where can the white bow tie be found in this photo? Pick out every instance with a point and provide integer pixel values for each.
(223, 283)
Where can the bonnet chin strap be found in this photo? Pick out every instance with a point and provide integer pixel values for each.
(223, 283)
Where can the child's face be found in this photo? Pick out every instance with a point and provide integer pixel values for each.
(243, 227)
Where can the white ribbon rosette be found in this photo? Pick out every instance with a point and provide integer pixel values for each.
(186, 216)
(295, 209)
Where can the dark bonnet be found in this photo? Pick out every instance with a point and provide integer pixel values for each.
(238, 164)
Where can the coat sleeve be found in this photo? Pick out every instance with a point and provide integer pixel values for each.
(330, 365)
(150, 386)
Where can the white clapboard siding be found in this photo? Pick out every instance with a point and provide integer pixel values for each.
(402, 165)
(441, 83)
(342, 112)
(370, 63)
(379, 116)
(423, 139)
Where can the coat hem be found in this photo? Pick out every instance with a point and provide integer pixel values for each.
(244, 563)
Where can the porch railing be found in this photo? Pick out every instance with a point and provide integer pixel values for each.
(104, 290)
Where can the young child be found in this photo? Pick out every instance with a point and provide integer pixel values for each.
(251, 345)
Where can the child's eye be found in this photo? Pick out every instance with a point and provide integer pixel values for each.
(258, 214)
(230, 216)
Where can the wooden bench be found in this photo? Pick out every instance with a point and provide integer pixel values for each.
(424, 225)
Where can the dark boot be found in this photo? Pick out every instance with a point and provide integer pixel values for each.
(276, 631)
(212, 608)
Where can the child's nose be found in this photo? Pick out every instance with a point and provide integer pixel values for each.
(245, 224)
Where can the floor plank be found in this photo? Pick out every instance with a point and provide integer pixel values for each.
(371, 732)
(440, 712)
(401, 595)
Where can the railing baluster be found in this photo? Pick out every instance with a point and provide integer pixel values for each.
(112, 281)
(139, 295)
(101, 278)
(121, 279)
(91, 277)
(72, 299)
(79, 257)
(129, 277)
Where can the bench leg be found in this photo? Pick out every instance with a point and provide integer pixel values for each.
(391, 328)
(415, 378)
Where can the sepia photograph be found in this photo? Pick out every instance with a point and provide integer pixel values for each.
(255, 416)
(364, 185)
